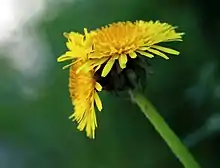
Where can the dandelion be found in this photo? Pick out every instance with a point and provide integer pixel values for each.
(83, 92)
(79, 47)
(94, 66)
(124, 40)
(94, 56)
(83, 87)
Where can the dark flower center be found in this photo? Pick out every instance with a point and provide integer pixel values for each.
(134, 75)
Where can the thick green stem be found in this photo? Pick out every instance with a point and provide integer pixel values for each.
(163, 129)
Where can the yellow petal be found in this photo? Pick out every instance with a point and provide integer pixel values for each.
(69, 45)
(167, 50)
(85, 31)
(74, 62)
(170, 40)
(65, 34)
(98, 86)
(97, 68)
(84, 67)
(133, 55)
(67, 56)
(158, 53)
(146, 54)
(98, 101)
(123, 60)
(143, 48)
(68, 65)
(64, 58)
(97, 62)
(108, 67)
(71, 116)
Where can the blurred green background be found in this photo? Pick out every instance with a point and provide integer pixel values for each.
(35, 131)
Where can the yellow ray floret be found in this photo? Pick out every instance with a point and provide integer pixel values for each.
(121, 40)
(83, 92)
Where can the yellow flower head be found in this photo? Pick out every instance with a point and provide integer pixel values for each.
(119, 41)
(94, 55)
(79, 47)
(83, 92)
(82, 85)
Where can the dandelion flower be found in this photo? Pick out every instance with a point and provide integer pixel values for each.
(116, 49)
(124, 40)
(83, 92)
(82, 85)
(79, 46)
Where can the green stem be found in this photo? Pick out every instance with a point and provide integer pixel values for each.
(163, 129)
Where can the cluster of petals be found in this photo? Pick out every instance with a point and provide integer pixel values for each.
(100, 49)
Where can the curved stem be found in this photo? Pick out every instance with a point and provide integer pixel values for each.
(163, 129)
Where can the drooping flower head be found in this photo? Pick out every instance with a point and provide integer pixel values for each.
(82, 84)
(123, 40)
(83, 92)
(79, 47)
(111, 58)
